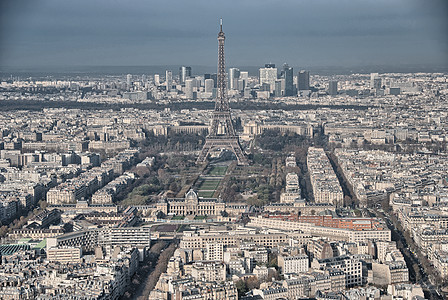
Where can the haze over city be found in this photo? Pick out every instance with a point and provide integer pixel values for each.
(56, 34)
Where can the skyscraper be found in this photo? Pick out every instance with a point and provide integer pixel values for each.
(209, 84)
(214, 76)
(278, 88)
(189, 88)
(168, 80)
(375, 81)
(128, 80)
(234, 75)
(372, 78)
(333, 88)
(157, 79)
(184, 74)
(303, 80)
(244, 75)
(241, 84)
(288, 75)
(268, 75)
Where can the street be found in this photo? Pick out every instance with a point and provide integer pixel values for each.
(431, 291)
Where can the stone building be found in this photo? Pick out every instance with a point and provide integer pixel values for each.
(191, 205)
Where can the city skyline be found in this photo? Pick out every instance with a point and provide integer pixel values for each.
(233, 150)
(322, 33)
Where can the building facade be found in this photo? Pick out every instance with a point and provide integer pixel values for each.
(191, 205)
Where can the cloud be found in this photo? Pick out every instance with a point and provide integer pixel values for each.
(144, 32)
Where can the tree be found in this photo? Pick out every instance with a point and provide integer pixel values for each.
(174, 187)
(163, 176)
(273, 261)
(43, 204)
(279, 141)
(229, 194)
(255, 201)
(3, 231)
(252, 283)
(348, 201)
(241, 287)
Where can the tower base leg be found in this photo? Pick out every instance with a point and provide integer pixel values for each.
(230, 144)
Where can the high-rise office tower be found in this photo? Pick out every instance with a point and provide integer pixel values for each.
(278, 88)
(157, 79)
(244, 75)
(169, 80)
(189, 88)
(209, 84)
(268, 75)
(234, 75)
(241, 84)
(199, 81)
(288, 75)
(333, 88)
(303, 80)
(184, 73)
(215, 79)
(375, 81)
(129, 80)
(373, 76)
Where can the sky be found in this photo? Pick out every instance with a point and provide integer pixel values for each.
(57, 33)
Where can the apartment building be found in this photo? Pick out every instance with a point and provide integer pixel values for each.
(293, 263)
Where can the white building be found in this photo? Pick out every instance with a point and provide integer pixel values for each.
(351, 266)
(168, 80)
(209, 84)
(268, 76)
(293, 264)
(209, 271)
(214, 251)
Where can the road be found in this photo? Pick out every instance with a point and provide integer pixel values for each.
(421, 276)
(431, 291)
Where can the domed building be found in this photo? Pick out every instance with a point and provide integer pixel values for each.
(191, 205)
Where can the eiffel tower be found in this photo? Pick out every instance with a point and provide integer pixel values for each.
(222, 134)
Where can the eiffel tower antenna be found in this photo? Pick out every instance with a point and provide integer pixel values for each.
(222, 134)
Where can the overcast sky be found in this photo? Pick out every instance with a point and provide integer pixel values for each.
(36, 33)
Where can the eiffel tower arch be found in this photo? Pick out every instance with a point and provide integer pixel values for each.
(222, 134)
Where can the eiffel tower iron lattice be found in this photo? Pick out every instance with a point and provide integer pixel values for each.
(222, 134)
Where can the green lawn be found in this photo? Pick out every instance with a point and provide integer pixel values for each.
(178, 218)
(209, 185)
(200, 217)
(208, 194)
(218, 170)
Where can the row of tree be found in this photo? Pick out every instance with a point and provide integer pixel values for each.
(9, 105)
